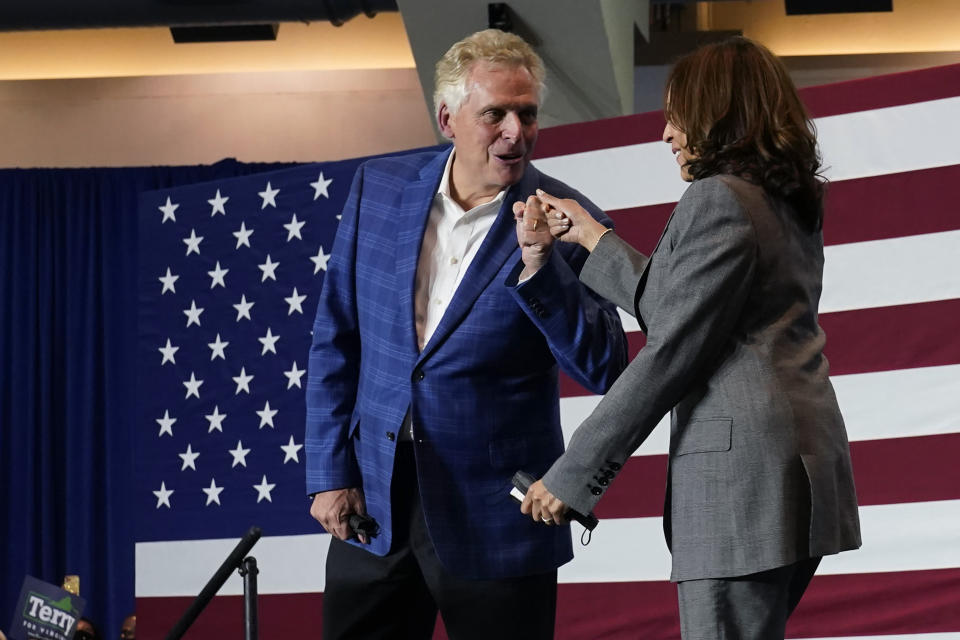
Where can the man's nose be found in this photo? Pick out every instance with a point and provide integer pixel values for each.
(511, 126)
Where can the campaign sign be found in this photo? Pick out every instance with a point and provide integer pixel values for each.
(45, 611)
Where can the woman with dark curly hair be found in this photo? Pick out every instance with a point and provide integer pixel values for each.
(759, 483)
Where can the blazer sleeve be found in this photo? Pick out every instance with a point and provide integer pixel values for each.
(615, 270)
(333, 364)
(582, 330)
(702, 278)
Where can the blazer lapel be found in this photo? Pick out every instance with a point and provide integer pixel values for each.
(413, 214)
(497, 247)
(642, 283)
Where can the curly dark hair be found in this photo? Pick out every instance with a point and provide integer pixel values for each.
(740, 111)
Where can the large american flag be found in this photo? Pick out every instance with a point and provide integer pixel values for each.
(890, 308)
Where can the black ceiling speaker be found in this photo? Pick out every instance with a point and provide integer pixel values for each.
(16, 15)
(225, 33)
(499, 17)
(809, 7)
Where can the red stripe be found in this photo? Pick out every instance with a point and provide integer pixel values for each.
(827, 100)
(640, 227)
(879, 604)
(899, 204)
(599, 134)
(925, 467)
(292, 615)
(893, 205)
(896, 337)
(638, 490)
(897, 470)
(889, 90)
(840, 605)
(618, 610)
(903, 336)
(834, 605)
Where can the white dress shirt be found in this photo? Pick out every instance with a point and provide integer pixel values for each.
(451, 241)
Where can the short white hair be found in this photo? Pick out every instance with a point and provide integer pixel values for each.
(492, 46)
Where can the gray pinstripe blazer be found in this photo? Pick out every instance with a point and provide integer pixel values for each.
(759, 465)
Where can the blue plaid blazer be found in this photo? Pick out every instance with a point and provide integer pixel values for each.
(483, 392)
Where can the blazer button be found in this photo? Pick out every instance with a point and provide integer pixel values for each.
(602, 481)
(391, 436)
(418, 375)
(595, 490)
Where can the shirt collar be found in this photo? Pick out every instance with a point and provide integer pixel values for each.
(443, 190)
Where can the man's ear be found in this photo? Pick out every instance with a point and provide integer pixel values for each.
(443, 121)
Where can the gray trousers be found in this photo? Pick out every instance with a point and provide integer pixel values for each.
(751, 607)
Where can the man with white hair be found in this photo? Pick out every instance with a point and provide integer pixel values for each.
(433, 374)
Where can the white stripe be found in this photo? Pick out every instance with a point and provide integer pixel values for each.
(620, 177)
(897, 537)
(881, 273)
(854, 145)
(629, 323)
(287, 564)
(900, 537)
(914, 536)
(882, 141)
(901, 403)
(882, 404)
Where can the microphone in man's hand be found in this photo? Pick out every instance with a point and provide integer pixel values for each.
(363, 525)
(521, 483)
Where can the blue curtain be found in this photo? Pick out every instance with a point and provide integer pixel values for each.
(68, 296)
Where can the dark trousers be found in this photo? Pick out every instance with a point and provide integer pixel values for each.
(397, 596)
(751, 607)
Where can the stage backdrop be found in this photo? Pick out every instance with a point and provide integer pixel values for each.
(229, 278)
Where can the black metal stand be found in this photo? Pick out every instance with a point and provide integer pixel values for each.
(248, 569)
(234, 561)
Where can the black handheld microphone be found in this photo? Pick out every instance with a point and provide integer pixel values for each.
(363, 524)
(521, 483)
